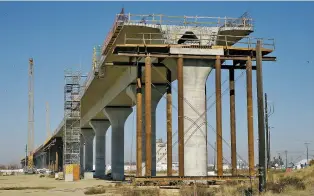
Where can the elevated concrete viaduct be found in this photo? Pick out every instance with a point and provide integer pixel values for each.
(141, 56)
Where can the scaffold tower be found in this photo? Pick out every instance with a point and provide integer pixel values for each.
(72, 89)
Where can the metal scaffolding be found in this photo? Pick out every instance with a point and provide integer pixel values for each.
(71, 135)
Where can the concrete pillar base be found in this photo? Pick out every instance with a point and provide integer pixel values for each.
(100, 127)
(88, 135)
(117, 117)
(88, 175)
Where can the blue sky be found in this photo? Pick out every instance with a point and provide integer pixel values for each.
(59, 35)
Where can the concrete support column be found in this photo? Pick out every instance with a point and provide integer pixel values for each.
(195, 73)
(100, 127)
(88, 135)
(57, 162)
(157, 92)
(117, 117)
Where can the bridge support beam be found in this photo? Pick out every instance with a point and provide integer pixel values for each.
(100, 127)
(117, 117)
(88, 135)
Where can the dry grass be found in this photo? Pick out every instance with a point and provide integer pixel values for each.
(295, 183)
(197, 190)
(140, 192)
(95, 190)
(25, 188)
(120, 189)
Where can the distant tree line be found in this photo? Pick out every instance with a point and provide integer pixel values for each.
(9, 166)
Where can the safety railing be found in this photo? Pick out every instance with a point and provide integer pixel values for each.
(198, 39)
(59, 127)
(160, 19)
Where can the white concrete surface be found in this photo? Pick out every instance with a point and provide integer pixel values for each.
(195, 73)
(197, 51)
(88, 135)
(100, 128)
(82, 161)
(68, 178)
(117, 117)
(88, 175)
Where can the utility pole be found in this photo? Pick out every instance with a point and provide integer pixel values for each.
(286, 152)
(307, 151)
(268, 112)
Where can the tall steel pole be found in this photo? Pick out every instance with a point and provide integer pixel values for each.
(307, 152)
(148, 116)
(139, 120)
(30, 131)
(261, 119)
(169, 124)
(233, 123)
(218, 116)
(180, 116)
(249, 97)
(286, 152)
(30, 142)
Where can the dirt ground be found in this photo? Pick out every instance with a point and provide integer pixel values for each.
(58, 187)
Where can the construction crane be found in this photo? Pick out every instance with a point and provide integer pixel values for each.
(30, 131)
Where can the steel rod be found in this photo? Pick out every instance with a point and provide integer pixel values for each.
(261, 119)
(169, 124)
(218, 116)
(233, 123)
(139, 123)
(180, 116)
(250, 115)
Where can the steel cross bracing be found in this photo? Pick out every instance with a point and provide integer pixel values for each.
(71, 143)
